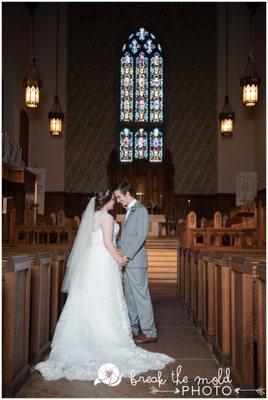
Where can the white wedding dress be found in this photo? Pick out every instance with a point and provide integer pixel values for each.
(94, 328)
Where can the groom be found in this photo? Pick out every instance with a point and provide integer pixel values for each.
(133, 235)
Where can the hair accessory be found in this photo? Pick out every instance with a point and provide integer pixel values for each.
(107, 192)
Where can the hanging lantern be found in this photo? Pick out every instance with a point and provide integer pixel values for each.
(56, 118)
(32, 83)
(55, 115)
(226, 117)
(250, 82)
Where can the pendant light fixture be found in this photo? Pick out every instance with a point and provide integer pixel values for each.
(251, 80)
(226, 116)
(55, 115)
(32, 83)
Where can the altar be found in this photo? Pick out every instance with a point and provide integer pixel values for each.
(154, 220)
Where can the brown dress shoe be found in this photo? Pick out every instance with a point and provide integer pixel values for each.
(135, 336)
(142, 338)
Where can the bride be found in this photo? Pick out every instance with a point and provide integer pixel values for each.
(94, 328)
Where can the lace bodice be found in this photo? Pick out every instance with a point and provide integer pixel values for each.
(99, 217)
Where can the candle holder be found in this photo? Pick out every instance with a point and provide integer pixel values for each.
(35, 208)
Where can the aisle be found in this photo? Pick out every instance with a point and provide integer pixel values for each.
(177, 338)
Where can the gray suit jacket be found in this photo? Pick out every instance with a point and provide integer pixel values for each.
(133, 236)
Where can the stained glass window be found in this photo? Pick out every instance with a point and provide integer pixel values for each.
(126, 145)
(141, 89)
(127, 88)
(156, 89)
(141, 144)
(141, 98)
(156, 146)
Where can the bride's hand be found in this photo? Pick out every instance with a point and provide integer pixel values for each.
(123, 262)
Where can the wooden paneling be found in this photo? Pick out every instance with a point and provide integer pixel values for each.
(54, 202)
(76, 203)
(175, 206)
(154, 181)
(202, 205)
(224, 202)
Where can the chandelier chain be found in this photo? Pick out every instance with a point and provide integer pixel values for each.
(250, 34)
(227, 43)
(33, 38)
(57, 48)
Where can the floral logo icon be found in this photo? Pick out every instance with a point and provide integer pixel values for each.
(109, 375)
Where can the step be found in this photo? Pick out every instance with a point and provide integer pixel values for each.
(162, 280)
(166, 271)
(162, 258)
(164, 252)
(163, 276)
(163, 265)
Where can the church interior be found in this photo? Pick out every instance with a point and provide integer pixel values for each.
(169, 97)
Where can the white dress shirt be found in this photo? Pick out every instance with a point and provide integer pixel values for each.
(134, 201)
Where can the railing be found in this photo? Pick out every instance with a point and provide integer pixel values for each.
(168, 229)
(240, 238)
(44, 235)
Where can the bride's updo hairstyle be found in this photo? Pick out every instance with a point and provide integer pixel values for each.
(103, 196)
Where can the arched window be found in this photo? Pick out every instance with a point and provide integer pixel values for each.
(126, 145)
(156, 145)
(141, 98)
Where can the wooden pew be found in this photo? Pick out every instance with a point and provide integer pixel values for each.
(178, 270)
(187, 279)
(261, 324)
(221, 345)
(31, 298)
(184, 256)
(16, 278)
(242, 363)
(193, 283)
(56, 297)
(208, 329)
(216, 327)
(40, 307)
(199, 315)
(227, 304)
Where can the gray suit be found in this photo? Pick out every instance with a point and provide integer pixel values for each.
(133, 235)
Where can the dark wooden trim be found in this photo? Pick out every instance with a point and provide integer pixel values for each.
(204, 205)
